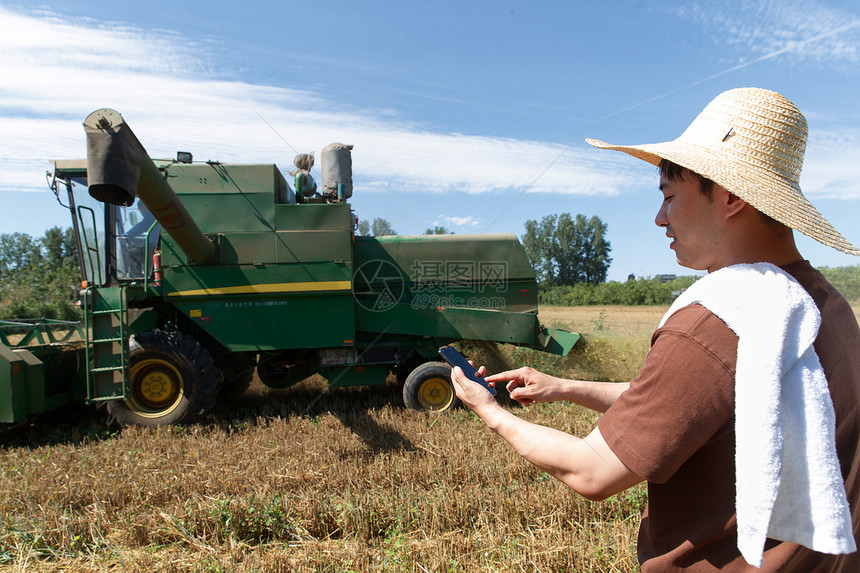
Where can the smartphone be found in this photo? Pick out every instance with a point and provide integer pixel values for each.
(454, 358)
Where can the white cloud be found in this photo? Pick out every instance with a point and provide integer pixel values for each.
(798, 29)
(447, 221)
(57, 71)
(832, 165)
(44, 40)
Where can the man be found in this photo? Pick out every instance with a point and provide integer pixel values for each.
(730, 201)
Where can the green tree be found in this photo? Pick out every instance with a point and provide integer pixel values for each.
(438, 230)
(39, 278)
(58, 246)
(566, 251)
(18, 251)
(375, 228)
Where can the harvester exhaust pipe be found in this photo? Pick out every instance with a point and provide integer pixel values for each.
(119, 169)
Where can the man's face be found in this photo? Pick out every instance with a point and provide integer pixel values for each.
(691, 221)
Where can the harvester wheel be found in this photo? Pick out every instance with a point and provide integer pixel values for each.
(404, 369)
(172, 379)
(429, 387)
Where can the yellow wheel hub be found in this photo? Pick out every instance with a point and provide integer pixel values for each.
(156, 387)
(435, 394)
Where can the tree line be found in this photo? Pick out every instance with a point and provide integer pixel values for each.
(379, 227)
(652, 291)
(39, 277)
(845, 279)
(633, 292)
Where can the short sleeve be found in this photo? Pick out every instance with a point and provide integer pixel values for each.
(682, 399)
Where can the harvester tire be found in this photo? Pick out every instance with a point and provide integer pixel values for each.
(172, 379)
(404, 369)
(429, 387)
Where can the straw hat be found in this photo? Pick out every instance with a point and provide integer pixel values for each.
(751, 142)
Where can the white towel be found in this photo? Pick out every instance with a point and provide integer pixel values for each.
(789, 485)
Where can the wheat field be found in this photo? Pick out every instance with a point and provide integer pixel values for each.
(320, 479)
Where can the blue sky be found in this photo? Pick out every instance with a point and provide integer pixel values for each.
(471, 115)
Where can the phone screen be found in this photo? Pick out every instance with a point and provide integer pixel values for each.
(454, 358)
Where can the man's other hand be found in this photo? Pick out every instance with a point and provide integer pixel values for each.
(528, 386)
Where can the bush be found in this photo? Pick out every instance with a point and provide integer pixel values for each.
(845, 279)
(643, 291)
(650, 291)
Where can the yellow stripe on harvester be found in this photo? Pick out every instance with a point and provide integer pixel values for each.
(311, 286)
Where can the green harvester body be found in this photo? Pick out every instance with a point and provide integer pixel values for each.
(262, 279)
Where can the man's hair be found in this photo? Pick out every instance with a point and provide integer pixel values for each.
(677, 173)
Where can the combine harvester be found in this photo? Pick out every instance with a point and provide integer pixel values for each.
(196, 275)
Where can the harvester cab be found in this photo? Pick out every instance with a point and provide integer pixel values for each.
(116, 243)
(199, 275)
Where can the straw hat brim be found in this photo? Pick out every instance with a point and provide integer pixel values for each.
(768, 192)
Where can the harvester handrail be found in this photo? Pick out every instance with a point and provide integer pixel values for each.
(41, 330)
(147, 259)
(97, 268)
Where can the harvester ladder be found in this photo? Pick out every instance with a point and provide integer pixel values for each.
(105, 326)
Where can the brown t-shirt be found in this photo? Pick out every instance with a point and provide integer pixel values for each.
(675, 427)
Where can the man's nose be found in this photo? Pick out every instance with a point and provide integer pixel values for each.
(661, 220)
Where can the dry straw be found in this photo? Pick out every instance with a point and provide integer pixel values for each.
(750, 141)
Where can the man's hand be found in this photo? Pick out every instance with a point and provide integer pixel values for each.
(472, 394)
(586, 465)
(528, 386)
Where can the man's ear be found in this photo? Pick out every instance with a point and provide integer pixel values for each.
(731, 203)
